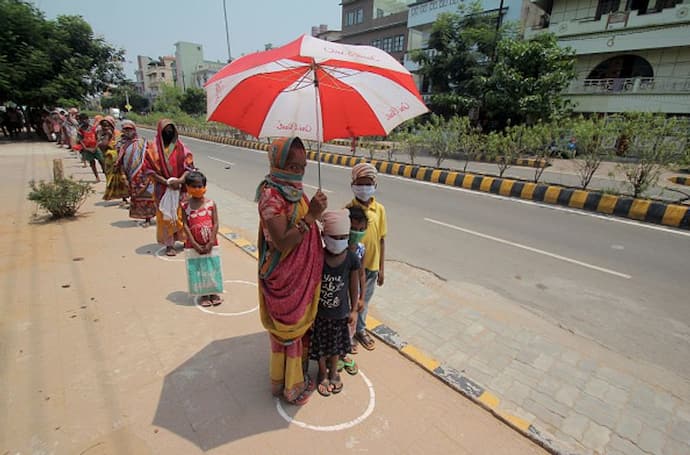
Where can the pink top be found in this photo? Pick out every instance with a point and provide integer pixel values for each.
(200, 222)
(272, 204)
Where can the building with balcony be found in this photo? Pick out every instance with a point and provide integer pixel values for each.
(152, 74)
(204, 71)
(378, 23)
(632, 55)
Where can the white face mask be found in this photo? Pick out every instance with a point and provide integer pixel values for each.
(364, 192)
(335, 246)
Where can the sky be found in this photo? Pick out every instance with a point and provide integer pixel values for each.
(152, 27)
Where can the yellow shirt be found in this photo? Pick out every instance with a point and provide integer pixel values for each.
(376, 230)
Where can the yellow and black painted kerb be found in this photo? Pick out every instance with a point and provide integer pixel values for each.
(456, 380)
(674, 215)
(680, 180)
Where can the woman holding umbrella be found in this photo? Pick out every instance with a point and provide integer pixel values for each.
(290, 266)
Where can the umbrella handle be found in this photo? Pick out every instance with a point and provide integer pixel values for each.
(318, 122)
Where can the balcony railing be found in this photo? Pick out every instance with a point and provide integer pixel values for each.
(639, 85)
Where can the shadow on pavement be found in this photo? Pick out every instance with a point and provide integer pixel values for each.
(221, 394)
(151, 248)
(181, 298)
(107, 203)
(125, 224)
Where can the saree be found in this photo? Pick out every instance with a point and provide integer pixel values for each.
(289, 284)
(132, 156)
(171, 161)
(115, 181)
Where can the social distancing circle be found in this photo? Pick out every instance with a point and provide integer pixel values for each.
(339, 426)
(211, 310)
(168, 258)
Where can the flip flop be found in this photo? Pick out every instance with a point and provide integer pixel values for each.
(348, 365)
(337, 385)
(216, 300)
(366, 341)
(324, 388)
(170, 251)
(205, 302)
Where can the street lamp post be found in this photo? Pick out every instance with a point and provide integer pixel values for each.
(227, 31)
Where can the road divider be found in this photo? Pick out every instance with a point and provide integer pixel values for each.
(650, 211)
(679, 180)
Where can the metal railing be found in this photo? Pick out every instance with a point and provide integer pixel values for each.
(639, 85)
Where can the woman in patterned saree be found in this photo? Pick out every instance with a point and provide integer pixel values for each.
(290, 266)
(132, 155)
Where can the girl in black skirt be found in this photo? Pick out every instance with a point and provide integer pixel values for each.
(337, 304)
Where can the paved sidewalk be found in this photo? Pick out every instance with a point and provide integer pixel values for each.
(586, 397)
(103, 352)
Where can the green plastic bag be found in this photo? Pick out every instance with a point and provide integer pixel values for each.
(204, 272)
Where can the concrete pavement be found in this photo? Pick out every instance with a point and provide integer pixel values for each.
(583, 395)
(103, 352)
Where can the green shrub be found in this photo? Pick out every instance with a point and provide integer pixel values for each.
(61, 198)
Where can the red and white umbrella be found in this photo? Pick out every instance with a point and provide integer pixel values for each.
(314, 89)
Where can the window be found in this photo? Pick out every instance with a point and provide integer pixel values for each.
(350, 18)
(379, 13)
(360, 16)
(399, 43)
(388, 44)
(376, 43)
(163, 75)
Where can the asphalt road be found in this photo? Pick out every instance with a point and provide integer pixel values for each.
(618, 282)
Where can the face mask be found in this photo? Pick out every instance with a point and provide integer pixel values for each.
(196, 192)
(356, 236)
(364, 192)
(335, 246)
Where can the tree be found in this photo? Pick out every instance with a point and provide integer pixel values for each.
(459, 55)
(471, 141)
(528, 80)
(168, 100)
(193, 101)
(119, 96)
(440, 137)
(42, 61)
(655, 144)
(592, 135)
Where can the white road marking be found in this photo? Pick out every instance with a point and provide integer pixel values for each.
(610, 218)
(239, 313)
(529, 248)
(316, 188)
(340, 426)
(222, 161)
(168, 258)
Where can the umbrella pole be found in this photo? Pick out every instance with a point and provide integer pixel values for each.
(318, 124)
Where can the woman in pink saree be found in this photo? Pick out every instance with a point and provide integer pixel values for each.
(290, 266)
(168, 166)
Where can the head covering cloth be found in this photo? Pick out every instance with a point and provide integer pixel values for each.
(364, 170)
(288, 183)
(336, 222)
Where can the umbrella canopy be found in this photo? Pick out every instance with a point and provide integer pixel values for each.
(315, 89)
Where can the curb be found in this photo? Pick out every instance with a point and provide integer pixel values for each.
(453, 378)
(680, 180)
(673, 215)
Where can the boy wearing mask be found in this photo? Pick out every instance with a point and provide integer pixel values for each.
(364, 187)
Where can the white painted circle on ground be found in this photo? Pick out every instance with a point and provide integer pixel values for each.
(168, 258)
(340, 426)
(217, 313)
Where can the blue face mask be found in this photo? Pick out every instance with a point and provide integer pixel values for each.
(356, 236)
(364, 192)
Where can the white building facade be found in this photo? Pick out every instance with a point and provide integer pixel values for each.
(632, 55)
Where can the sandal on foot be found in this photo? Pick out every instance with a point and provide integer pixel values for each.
(366, 341)
(205, 302)
(353, 348)
(348, 365)
(170, 251)
(216, 300)
(324, 387)
(336, 385)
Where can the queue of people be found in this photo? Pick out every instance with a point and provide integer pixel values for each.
(317, 269)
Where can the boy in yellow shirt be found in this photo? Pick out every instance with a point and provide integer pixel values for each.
(364, 187)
